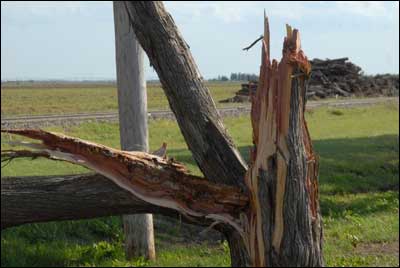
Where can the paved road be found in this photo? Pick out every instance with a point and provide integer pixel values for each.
(42, 120)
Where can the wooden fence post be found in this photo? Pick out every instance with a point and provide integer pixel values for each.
(132, 103)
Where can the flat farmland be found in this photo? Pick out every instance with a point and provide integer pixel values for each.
(47, 98)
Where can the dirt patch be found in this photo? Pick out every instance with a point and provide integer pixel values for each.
(391, 248)
(177, 232)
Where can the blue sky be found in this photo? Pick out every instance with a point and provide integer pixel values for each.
(75, 40)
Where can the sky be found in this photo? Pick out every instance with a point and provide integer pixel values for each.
(75, 39)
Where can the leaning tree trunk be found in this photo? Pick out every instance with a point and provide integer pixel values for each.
(132, 106)
(188, 96)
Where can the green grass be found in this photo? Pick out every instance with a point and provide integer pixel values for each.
(359, 180)
(53, 99)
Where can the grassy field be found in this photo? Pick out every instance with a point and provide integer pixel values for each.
(359, 182)
(57, 99)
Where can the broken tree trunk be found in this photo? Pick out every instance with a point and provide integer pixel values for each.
(132, 107)
(285, 226)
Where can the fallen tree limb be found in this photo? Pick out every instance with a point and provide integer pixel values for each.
(155, 180)
(54, 198)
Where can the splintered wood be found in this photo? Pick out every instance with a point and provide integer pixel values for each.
(273, 109)
(152, 178)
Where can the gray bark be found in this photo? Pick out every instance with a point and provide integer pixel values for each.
(132, 105)
(188, 97)
(67, 197)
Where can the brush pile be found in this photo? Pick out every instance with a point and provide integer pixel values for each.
(243, 95)
(342, 77)
(337, 77)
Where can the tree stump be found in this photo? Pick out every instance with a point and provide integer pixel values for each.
(284, 219)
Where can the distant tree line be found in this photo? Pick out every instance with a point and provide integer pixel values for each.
(236, 77)
(219, 78)
(243, 77)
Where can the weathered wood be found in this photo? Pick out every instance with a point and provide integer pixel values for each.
(189, 98)
(158, 181)
(131, 84)
(36, 199)
(54, 198)
(132, 107)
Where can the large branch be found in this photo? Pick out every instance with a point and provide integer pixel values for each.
(189, 98)
(155, 180)
(37, 199)
(54, 198)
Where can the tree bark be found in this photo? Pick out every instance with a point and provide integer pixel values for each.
(54, 198)
(132, 106)
(37, 199)
(189, 98)
(285, 226)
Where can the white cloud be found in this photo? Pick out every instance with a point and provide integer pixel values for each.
(27, 13)
(235, 11)
(239, 10)
(364, 8)
(226, 11)
(52, 8)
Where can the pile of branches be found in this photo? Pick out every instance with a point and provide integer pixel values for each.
(243, 95)
(343, 78)
(337, 77)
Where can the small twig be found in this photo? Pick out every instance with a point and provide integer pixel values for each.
(9, 155)
(209, 228)
(23, 153)
(252, 44)
(8, 162)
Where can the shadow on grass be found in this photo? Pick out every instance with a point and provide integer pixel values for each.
(348, 167)
(357, 165)
(352, 165)
(359, 204)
